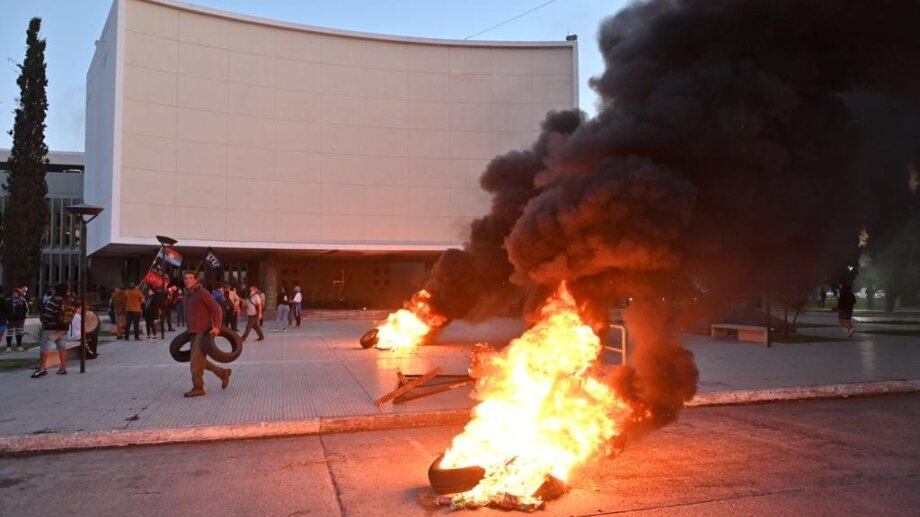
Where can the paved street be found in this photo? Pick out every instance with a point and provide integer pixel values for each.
(832, 457)
(321, 372)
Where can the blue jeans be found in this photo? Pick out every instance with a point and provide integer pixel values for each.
(282, 318)
(296, 313)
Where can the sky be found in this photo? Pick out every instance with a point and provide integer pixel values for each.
(72, 26)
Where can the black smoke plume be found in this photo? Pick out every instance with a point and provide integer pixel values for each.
(735, 154)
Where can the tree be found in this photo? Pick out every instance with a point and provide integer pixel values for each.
(26, 215)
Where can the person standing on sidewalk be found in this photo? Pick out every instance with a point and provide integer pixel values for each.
(297, 305)
(118, 304)
(233, 307)
(18, 310)
(254, 310)
(284, 308)
(55, 317)
(180, 307)
(203, 318)
(133, 300)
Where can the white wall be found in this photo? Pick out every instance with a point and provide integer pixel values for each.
(101, 134)
(248, 134)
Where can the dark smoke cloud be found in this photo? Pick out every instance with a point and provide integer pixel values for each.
(737, 151)
(475, 282)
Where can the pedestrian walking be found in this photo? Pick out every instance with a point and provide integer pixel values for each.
(133, 302)
(284, 307)
(203, 316)
(297, 305)
(18, 310)
(845, 303)
(55, 317)
(254, 310)
(822, 296)
(262, 313)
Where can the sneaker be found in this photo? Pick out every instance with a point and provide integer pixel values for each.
(851, 332)
(6, 351)
(20, 349)
(41, 372)
(62, 372)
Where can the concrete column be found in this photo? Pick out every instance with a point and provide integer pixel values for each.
(269, 280)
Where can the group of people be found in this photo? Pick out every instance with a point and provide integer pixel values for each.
(14, 308)
(156, 305)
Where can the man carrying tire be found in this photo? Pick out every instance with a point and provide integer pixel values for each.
(203, 318)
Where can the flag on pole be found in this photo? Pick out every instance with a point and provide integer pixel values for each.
(155, 278)
(170, 255)
(213, 262)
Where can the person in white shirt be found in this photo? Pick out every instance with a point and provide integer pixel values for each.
(296, 305)
(92, 338)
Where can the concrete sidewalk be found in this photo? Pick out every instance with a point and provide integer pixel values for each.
(318, 379)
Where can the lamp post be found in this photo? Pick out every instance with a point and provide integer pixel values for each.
(83, 211)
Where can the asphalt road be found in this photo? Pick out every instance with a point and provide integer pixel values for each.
(832, 457)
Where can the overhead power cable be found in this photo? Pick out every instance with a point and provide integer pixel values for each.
(509, 20)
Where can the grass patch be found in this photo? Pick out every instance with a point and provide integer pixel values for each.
(7, 365)
(905, 332)
(801, 338)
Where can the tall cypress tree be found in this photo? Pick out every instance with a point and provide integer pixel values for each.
(26, 216)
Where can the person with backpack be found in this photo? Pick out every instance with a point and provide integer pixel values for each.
(18, 310)
(56, 316)
(254, 310)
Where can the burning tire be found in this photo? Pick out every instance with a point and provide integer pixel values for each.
(369, 339)
(453, 481)
(210, 347)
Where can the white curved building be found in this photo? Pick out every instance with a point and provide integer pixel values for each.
(284, 145)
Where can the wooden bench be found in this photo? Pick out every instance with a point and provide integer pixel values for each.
(749, 333)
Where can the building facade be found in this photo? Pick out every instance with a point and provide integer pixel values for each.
(345, 162)
(61, 241)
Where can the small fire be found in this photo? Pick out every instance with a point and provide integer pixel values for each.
(407, 328)
(541, 413)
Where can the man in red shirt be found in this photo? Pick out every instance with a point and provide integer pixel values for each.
(202, 317)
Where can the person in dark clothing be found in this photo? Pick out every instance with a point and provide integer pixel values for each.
(153, 310)
(822, 296)
(4, 317)
(18, 310)
(845, 303)
(203, 318)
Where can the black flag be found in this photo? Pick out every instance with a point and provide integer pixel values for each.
(213, 263)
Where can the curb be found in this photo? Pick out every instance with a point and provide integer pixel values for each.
(56, 442)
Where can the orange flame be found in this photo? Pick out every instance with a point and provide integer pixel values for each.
(407, 328)
(541, 411)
